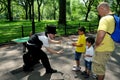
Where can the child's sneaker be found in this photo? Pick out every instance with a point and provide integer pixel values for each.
(94, 76)
(84, 73)
(86, 76)
(75, 68)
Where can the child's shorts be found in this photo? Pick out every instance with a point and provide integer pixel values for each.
(88, 64)
(78, 55)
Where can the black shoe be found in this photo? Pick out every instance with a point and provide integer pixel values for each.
(27, 69)
(24, 51)
(36, 62)
(84, 73)
(51, 71)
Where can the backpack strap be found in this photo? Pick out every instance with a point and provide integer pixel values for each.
(108, 33)
(114, 20)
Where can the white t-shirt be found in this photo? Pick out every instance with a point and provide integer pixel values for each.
(89, 51)
(44, 39)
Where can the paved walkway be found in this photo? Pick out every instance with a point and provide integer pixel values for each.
(11, 64)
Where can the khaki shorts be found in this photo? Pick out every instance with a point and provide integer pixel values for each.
(99, 62)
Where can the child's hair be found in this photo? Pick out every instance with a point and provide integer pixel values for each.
(90, 40)
(82, 29)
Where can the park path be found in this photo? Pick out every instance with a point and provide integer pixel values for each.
(11, 64)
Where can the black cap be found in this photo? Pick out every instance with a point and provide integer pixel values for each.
(51, 29)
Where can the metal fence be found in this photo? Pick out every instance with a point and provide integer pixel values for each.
(9, 33)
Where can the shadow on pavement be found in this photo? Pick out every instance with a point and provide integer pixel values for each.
(11, 59)
(19, 73)
(36, 76)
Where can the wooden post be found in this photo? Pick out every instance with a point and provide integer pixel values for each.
(65, 29)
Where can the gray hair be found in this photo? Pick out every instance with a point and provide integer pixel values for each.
(103, 4)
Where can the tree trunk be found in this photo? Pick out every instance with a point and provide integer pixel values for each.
(88, 5)
(62, 12)
(10, 17)
(55, 8)
(39, 5)
(30, 10)
(54, 15)
(88, 10)
(26, 14)
(39, 14)
(26, 7)
(33, 23)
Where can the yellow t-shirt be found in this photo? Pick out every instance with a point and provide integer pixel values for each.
(81, 40)
(106, 24)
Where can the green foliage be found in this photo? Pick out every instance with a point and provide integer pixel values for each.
(12, 30)
(75, 13)
(75, 9)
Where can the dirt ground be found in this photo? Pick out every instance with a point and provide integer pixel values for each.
(11, 63)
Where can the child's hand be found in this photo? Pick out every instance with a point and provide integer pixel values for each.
(60, 41)
(84, 55)
(73, 44)
(59, 52)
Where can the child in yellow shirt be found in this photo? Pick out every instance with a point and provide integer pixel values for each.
(80, 48)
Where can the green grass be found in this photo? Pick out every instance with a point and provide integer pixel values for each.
(12, 30)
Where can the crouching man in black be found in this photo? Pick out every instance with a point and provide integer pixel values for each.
(35, 53)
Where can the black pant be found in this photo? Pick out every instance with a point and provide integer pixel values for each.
(38, 54)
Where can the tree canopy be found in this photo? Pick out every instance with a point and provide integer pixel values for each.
(53, 9)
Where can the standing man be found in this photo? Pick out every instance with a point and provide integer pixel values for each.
(34, 45)
(104, 45)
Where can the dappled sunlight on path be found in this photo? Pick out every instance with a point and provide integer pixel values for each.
(11, 63)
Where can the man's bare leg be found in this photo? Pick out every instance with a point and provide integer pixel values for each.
(101, 77)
